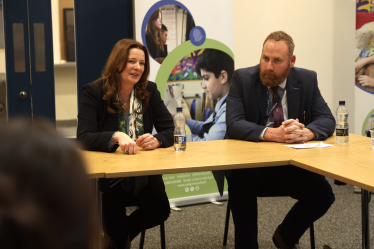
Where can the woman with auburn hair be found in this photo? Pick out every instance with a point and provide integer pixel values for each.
(153, 37)
(120, 110)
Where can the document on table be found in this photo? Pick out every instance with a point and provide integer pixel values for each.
(309, 146)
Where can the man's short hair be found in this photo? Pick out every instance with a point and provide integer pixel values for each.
(282, 36)
(213, 60)
(163, 28)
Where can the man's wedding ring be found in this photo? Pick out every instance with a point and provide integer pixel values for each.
(126, 151)
(148, 144)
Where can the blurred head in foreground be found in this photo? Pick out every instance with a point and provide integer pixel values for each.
(44, 194)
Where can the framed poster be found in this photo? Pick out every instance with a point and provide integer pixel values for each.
(69, 34)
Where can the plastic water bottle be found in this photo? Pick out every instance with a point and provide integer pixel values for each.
(179, 131)
(342, 129)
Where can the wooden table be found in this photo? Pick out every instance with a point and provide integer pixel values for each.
(352, 163)
(203, 156)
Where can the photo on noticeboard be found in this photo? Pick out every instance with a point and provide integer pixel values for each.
(168, 27)
(197, 83)
(364, 42)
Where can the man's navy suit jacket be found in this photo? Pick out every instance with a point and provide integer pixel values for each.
(248, 100)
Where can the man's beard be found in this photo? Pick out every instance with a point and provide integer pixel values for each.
(271, 79)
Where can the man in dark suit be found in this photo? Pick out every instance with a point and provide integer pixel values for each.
(274, 101)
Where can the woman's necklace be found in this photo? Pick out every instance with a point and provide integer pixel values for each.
(120, 100)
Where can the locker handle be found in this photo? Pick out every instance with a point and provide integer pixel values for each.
(23, 95)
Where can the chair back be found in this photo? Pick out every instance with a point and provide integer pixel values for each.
(368, 134)
(193, 108)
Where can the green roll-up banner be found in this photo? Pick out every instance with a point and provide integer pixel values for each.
(192, 26)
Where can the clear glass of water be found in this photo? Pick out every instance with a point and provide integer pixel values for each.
(372, 138)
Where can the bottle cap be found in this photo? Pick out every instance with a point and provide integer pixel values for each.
(342, 102)
(179, 109)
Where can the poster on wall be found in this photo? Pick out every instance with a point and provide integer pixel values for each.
(183, 40)
(364, 65)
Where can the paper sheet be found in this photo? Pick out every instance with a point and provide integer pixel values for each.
(309, 145)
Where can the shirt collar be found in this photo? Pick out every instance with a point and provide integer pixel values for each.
(282, 85)
(219, 103)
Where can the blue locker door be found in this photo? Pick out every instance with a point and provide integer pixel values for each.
(29, 58)
(17, 57)
(41, 58)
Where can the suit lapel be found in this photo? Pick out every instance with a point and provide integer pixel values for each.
(293, 87)
(262, 97)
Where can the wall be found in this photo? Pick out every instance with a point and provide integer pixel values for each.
(2, 41)
(65, 73)
(323, 32)
(66, 92)
(56, 31)
(2, 60)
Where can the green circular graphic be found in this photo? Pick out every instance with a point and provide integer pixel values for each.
(178, 53)
(365, 122)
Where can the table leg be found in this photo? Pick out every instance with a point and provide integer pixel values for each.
(97, 243)
(365, 199)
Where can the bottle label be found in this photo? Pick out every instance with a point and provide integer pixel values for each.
(342, 132)
(180, 140)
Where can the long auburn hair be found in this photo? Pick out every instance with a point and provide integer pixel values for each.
(151, 29)
(110, 76)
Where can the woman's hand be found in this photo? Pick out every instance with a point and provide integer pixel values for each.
(126, 144)
(148, 142)
(364, 61)
(359, 64)
(367, 81)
